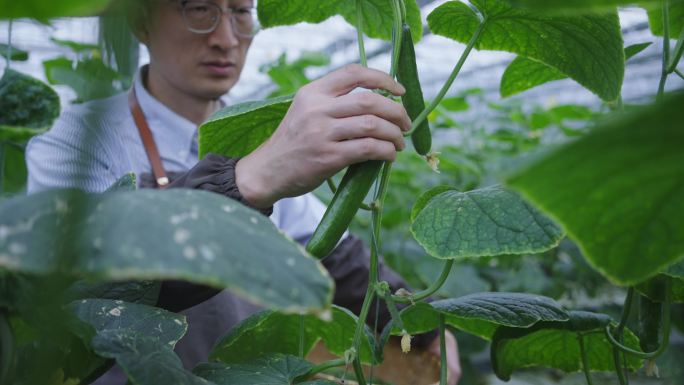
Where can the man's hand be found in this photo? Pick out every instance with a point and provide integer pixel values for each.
(453, 359)
(325, 130)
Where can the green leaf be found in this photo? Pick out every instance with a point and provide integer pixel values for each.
(378, 18)
(272, 369)
(142, 292)
(425, 198)
(238, 130)
(90, 78)
(26, 102)
(112, 315)
(482, 313)
(16, 55)
(556, 345)
(587, 48)
(13, 172)
(272, 332)
(127, 182)
(189, 235)
(18, 134)
(617, 191)
(676, 17)
(485, 222)
(75, 46)
(581, 6)
(45, 9)
(635, 49)
(145, 360)
(524, 73)
(139, 337)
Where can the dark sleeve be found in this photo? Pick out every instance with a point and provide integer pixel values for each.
(349, 266)
(214, 173)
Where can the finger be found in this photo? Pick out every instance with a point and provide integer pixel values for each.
(361, 150)
(368, 126)
(349, 77)
(368, 103)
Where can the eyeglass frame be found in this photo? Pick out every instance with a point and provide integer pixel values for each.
(230, 11)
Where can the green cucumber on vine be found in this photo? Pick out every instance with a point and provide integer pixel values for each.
(413, 101)
(354, 187)
(650, 323)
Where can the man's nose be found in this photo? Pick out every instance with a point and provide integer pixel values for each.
(224, 36)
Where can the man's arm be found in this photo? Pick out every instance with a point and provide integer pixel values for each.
(68, 156)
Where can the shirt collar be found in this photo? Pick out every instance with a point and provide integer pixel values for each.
(173, 133)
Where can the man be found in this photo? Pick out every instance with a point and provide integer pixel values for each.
(197, 52)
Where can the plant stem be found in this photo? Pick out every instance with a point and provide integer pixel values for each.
(622, 378)
(585, 361)
(442, 352)
(666, 331)
(666, 51)
(383, 287)
(6, 349)
(356, 343)
(678, 72)
(2, 169)
(323, 366)
(8, 59)
(617, 355)
(626, 309)
(430, 290)
(435, 102)
(301, 336)
(359, 33)
(677, 55)
(396, 37)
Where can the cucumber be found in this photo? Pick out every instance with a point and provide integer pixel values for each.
(354, 187)
(407, 74)
(650, 323)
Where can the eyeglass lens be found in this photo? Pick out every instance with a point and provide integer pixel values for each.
(204, 17)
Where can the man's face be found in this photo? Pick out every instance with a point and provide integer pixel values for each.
(201, 65)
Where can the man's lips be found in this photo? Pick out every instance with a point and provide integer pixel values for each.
(219, 67)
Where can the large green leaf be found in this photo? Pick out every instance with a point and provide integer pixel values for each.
(272, 332)
(272, 369)
(587, 48)
(676, 17)
(238, 130)
(485, 222)
(378, 17)
(617, 191)
(524, 73)
(26, 102)
(46, 9)
(556, 345)
(154, 235)
(482, 313)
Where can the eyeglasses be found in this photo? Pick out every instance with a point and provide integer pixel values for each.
(204, 17)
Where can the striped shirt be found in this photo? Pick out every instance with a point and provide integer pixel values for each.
(93, 144)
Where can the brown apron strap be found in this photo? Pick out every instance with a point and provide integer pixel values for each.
(148, 140)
